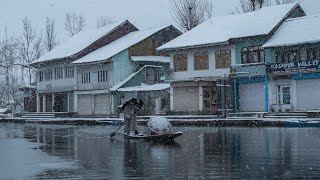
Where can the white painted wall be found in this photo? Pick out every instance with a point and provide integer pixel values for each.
(56, 85)
(273, 92)
(305, 94)
(93, 69)
(211, 72)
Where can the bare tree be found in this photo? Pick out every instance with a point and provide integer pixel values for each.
(9, 54)
(74, 23)
(190, 13)
(31, 49)
(278, 2)
(103, 21)
(253, 5)
(50, 36)
(250, 5)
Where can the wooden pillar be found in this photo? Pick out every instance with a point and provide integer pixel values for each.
(44, 103)
(200, 98)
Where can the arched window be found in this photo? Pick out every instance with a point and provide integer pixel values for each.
(223, 58)
(201, 61)
(180, 62)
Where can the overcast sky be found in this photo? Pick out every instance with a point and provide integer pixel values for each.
(143, 13)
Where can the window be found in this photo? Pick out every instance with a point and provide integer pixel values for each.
(201, 61)
(41, 76)
(48, 74)
(69, 71)
(223, 58)
(122, 100)
(85, 77)
(180, 62)
(313, 53)
(58, 72)
(286, 95)
(152, 75)
(102, 76)
(252, 54)
(288, 56)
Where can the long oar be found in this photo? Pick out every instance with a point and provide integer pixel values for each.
(114, 133)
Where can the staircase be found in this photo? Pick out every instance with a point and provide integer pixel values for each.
(247, 115)
(35, 115)
(286, 115)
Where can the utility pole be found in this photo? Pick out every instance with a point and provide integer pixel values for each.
(225, 97)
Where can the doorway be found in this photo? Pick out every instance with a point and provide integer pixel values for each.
(209, 98)
(60, 102)
(284, 98)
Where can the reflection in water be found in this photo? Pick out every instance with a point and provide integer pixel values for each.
(200, 153)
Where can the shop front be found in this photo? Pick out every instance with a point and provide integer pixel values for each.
(208, 97)
(294, 86)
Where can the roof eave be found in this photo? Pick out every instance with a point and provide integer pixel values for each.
(93, 62)
(50, 60)
(291, 44)
(193, 46)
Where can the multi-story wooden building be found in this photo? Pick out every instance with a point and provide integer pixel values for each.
(201, 60)
(76, 77)
(294, 68)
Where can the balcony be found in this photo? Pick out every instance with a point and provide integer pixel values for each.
(252, 69)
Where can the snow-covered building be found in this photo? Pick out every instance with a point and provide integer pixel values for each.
(153, 92)
(294, 71)
(201, 60)
(76, 77)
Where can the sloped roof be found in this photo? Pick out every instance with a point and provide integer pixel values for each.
(117, 46)
(146, 87)
(163, 59)
(310, 7)
(220, 29)
(78, 42)
(121, 83)
(5, 110)
(296, 31)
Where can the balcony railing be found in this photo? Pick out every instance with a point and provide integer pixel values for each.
(252, 69)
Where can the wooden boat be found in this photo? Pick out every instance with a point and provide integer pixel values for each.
(164, 138)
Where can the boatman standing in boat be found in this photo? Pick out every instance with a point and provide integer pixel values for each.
(130, 109)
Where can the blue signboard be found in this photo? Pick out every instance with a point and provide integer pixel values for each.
(293, 66)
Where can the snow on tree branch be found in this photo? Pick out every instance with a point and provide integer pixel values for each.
(74, 23)
(50, 36)
(190, 13)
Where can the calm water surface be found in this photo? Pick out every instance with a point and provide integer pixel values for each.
(81, 152)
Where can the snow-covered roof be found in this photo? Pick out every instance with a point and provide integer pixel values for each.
(117, 46)
(220, 29)
(296, 31)
(78, 42)
(121, 83)
(310, 7)
(4, 110)
(163, 59)
(146, 87)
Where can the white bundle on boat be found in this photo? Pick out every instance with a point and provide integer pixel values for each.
(159, 125)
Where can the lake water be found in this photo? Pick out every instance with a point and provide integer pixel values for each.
(88, 152)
